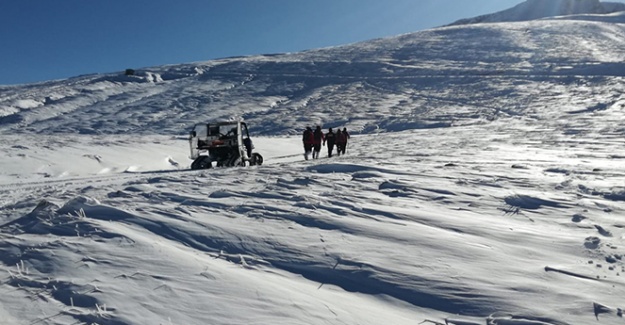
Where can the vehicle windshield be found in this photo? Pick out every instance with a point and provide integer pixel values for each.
(203, 131)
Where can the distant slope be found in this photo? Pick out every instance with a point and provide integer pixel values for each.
(446, 76)
(536, 9)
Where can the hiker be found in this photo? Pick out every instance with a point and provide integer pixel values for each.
(347, 136)
(340, 142)
(318, 139)
(330, 138)
(308, 140)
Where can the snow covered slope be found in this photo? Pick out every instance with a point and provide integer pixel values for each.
(536, 9)
(446, 76)
(486, 186)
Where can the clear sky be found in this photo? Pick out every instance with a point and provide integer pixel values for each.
(53, 39)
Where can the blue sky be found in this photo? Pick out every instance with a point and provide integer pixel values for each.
(55, 39)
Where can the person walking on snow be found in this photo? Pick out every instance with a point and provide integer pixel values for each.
(318, 139)
(340, 140)
(308, 140)
(346, 135)
(330, 139)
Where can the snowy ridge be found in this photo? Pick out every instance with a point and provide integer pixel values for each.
(536, 9)
(483, 184)
(388, 84)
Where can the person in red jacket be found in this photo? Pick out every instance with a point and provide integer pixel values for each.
(308, 141)
(347, 136)
(318, 140)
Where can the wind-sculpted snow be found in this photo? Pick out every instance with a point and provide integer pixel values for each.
(433, 224)
(482, 184)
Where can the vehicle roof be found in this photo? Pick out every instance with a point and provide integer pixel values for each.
(222, 123)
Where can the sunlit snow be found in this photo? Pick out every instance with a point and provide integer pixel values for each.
(484, 183)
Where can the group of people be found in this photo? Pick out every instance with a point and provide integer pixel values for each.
(313, 140)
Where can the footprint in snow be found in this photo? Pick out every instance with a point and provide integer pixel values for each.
(603, 232)
(173, 162)
(592, 242)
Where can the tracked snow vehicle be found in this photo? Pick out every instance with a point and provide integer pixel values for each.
(222, 144)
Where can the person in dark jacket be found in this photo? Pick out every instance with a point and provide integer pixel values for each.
(308, 141)
(330, 138)
(347, 136)
(341, 141)
(318, 140)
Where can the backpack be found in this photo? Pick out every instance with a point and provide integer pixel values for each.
(330, 137)
(318, 136)
(308, 136)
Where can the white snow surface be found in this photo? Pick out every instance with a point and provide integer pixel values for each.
(536, 9)
(484, 183)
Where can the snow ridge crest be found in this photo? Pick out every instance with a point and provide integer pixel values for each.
(537, 9)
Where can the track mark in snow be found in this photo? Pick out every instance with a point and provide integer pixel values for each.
(603, 232)
(501, 319)
(603, 309)
(172, 162)
(97, 158)
(573, 274)
(350, 169)
(618, 196)
(578, 218)
(592, 242)
(530, 203)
